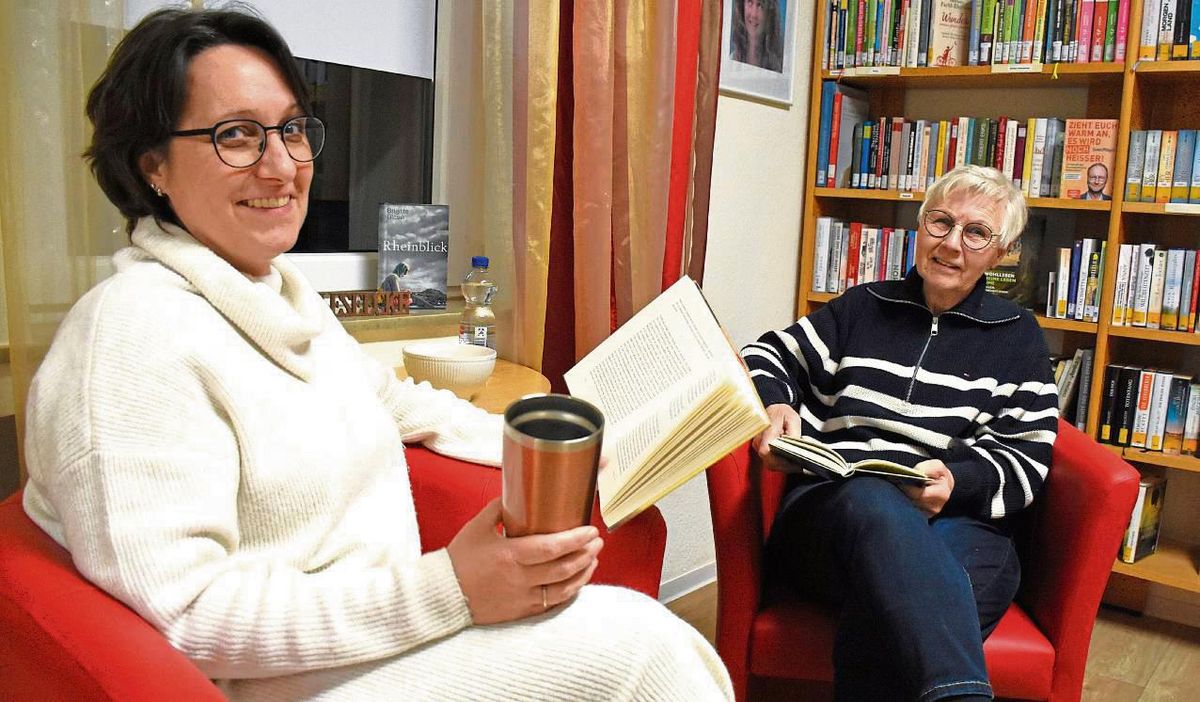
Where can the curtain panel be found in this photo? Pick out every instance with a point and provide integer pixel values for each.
(58, 229)
(610, 114)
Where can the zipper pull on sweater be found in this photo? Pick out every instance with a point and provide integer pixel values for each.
(933, 329)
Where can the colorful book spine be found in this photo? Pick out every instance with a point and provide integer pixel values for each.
(1166, 30)
(1121, 286)
(1148, 43)
(1150, 167)
(1185, 152)
(1177, 398)
(1158, 284)
(1084, 30)
(1135, 165)
(1166, 166)
(1173, 289)
(1191, 422)
(1140, 278)
(1122, 34)
(1110, 32)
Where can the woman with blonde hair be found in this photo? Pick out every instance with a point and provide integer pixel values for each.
(935, 373)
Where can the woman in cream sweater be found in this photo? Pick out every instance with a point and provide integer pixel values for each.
(216, 452)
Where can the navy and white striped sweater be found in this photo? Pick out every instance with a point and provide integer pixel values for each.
(876, 373)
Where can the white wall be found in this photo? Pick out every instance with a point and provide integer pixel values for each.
(751, 267)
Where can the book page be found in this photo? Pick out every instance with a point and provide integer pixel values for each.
(663, 381)
(661, 346)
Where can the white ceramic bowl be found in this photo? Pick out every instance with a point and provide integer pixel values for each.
(460, 368)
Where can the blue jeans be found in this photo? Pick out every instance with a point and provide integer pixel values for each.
(917, 596)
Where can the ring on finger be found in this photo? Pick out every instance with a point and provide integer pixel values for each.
(545, 605)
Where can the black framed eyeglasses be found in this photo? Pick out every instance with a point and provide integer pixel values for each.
(240, 143)
(976, 236)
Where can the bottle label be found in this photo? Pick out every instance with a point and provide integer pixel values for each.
(481, 336)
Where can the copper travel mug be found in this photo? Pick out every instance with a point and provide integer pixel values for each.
(551, 456)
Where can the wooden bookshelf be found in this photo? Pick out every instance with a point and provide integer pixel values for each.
(1140, 95)
(1174, 564)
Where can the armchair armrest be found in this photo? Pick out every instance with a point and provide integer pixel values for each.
(1076, 530)
(448, 492)
(64, 638)
(738, 535)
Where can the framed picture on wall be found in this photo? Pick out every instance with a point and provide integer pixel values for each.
(758, 49)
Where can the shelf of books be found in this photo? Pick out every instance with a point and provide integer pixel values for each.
(1088, 106)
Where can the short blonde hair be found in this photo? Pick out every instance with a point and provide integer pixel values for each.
(987, 183)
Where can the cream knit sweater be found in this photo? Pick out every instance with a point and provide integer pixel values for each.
(220, 455)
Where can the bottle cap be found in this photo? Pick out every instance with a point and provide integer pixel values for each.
(479, 261)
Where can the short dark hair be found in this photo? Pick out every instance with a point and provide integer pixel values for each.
(139, 98)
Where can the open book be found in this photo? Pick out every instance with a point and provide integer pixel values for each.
(675, 397)
(814, 456)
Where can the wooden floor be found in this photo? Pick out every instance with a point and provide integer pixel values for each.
(1132, 659)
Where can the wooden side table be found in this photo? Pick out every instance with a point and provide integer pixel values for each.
(508, 382)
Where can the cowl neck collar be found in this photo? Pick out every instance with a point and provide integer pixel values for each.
(281, 323)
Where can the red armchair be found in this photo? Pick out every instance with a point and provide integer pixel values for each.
(1068, 541)
(63, 638)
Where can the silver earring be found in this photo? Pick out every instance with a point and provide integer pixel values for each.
(157, 190)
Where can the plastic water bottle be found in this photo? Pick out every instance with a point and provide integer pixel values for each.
(478, 323)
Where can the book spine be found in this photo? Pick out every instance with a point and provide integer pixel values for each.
(1135, 166)
(1025, 146)
(1166, 167)
(973, 37)
(1191, 422)
(834, 140)
(1194, 188)
(828, 89)
(1085, 388)
(1185, 153)
(1073, 286)
(1158, 282)
(1086, 247)
(1110, 32)
(1039, 31)
(1148, 43)
(1064, 281)
(1141, 415)
(1122, 33)
(1083, 30)
(1180, 42)
(1111, 373)
(1194, 31)
(1121, 286)
(1186, 309)
(853, 247)
(1126, 405)
(821, 251)
(987, 25)
(1132, 532)
(1177, 399)
(1157, 422)
(1057, 155)
(1193, 320)
(1144, 268)
(1172, 289)
(1150, 168)
(1166, 30)
(1091, 308)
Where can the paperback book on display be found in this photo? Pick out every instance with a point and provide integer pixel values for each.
(1089, 151)
(414, 245)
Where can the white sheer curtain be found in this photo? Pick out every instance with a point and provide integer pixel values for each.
(58, 229)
